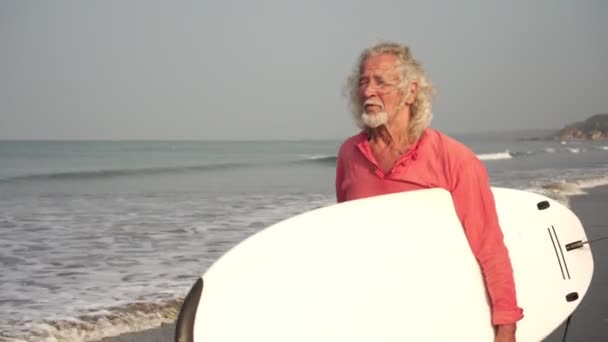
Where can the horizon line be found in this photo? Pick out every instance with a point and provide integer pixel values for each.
(47, 139)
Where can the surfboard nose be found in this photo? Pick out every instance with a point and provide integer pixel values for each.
(184, 326)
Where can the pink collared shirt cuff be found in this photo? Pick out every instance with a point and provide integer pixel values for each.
(500, 317)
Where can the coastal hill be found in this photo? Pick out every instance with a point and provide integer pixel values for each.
(594, 128)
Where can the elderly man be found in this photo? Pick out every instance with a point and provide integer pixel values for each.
(397, 151)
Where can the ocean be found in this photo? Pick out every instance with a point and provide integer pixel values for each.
(100, 238)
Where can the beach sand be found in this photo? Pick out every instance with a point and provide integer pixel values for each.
(589, 322)
(164, 333)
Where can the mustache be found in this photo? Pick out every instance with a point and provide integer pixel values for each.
(373, 102)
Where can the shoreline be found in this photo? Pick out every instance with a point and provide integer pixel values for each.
(590, 320)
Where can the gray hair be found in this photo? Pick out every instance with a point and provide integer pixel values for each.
(409, 70)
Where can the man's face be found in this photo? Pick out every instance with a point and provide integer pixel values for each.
(379, 90)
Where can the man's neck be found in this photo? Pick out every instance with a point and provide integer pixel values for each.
(394, 134)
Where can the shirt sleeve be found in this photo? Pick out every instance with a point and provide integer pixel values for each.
(475, 206)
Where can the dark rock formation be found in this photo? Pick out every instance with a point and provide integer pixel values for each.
(594, 128)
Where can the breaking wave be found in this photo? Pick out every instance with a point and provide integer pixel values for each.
(507, 154)
(321, 158)
(562, 190)
(495, 156)
(95, 326)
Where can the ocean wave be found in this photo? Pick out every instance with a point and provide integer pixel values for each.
(495, 156)
(562, 190)
(508, 154)
(574, 150)
(112, 173)
(502, 155)
(593, 182)
(321, 158)
(109, 322)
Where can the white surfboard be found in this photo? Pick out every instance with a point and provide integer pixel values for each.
(389, 268)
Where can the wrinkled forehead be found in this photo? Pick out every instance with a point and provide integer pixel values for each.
(380, 64)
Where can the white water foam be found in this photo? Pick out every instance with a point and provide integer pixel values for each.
(316, 156)
(495, 156)
(111, 260)
(563, 189)
(504, 155)
(95, 326)
(593, 182)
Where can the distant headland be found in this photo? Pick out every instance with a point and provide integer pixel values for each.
(594, 128)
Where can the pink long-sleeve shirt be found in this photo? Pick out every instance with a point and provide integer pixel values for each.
(438, 161)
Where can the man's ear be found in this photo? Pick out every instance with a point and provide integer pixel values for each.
(412, 92)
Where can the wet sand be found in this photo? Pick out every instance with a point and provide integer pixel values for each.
(161, 334)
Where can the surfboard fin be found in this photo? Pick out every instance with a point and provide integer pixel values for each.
(580, 243)
(575, 245)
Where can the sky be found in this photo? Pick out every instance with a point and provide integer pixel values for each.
(275, 69)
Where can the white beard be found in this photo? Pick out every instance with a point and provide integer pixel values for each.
(374, 120)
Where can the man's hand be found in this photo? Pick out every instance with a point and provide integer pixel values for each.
(505, 333)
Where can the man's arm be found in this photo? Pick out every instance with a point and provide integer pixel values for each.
(505, 333)
(474, 203)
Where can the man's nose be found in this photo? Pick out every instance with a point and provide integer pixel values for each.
(369, 90)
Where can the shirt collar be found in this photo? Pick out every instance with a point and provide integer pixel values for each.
(362, 143)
